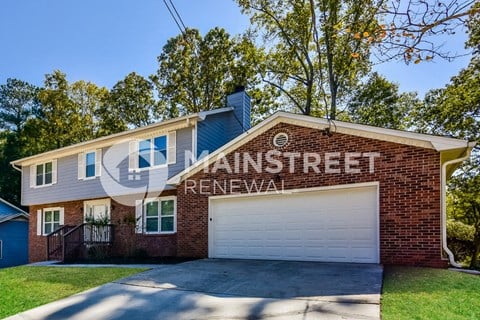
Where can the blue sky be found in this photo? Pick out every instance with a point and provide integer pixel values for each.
(104, 40)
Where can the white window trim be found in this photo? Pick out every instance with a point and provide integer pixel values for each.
(60, 221)
(152, 154)
(159, 199)
(33, 175)
(82, 164)
(100, 202)
(170, 151)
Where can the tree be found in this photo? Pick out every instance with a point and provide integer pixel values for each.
(455, 110)
(68, 113)
(196, 73)
(318, 50)
(414, 25)
(18, 102)
(133, 98)
(378, 102)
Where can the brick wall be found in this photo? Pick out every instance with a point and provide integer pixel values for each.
(126, 241)
(409, 179)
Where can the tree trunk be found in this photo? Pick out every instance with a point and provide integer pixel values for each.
(476, 251)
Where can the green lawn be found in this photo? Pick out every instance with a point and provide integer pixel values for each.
(423, 293)
(23, 288)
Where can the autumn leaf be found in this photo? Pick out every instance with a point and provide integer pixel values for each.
(365, 34)
(355, 55)
(357, 35)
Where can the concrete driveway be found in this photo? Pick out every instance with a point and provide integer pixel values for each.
(230, 289)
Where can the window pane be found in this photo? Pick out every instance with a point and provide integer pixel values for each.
(48, 228)
(90, 164)
(167, 208)
(48, 167)
(152, 209)
(56, 216)
(160, 153)
(48, 178)
(90, 171)
(167, 224)
(39, 174)
(48, 216)
(56, 226)
(152, 224)
(144, 154)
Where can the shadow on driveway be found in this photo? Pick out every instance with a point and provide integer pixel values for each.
(230, 289)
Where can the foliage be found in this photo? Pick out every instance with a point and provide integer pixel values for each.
(459, 230)
(379, 103)
(316, 50)
(412, 26)
(195, 73)
(423, 293)
(24, 288)
(132, 98)
(455, 110)
(18, 102)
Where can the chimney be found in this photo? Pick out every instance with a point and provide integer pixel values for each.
(240, 101)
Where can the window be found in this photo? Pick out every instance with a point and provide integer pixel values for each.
(152, 152)
(160, 215)
(89, 164)
(43, 174)
(51, 220)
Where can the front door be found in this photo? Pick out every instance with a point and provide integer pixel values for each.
(97, 217)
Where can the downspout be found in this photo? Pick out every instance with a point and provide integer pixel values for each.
(451, 257)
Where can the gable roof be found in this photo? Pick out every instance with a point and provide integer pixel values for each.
(172, 124)
(438, 143)
(9, 212)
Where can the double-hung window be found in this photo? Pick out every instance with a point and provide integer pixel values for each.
(89, 164)
(159, 215)
(49, 220)
(153, 152)
(43, 174)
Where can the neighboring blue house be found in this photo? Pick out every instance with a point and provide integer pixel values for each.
(13, 235)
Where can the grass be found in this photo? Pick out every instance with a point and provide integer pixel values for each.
(23, 288)
(423, 293)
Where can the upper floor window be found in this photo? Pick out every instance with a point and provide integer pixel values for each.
(43, 174)
(89, 164)
(153, 152)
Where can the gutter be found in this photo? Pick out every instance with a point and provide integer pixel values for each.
(451, 257)
(15, 166)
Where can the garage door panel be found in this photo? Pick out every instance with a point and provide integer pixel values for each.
(335, 225)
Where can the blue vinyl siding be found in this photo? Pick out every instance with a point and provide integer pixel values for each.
(115, 178)
(218, 129)
(14, 236)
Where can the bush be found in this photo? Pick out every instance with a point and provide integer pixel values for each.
(460, 239)
(460, 231)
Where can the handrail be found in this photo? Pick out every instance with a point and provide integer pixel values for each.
(55, 240)
(85, 234)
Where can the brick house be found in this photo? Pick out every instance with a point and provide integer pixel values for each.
(293, 187)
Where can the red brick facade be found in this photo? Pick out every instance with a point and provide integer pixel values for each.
(409, 187)
(126, 240)
(409, 182)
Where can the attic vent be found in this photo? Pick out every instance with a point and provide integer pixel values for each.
(280, 139)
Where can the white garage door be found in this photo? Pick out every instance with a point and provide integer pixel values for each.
(338, 225)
